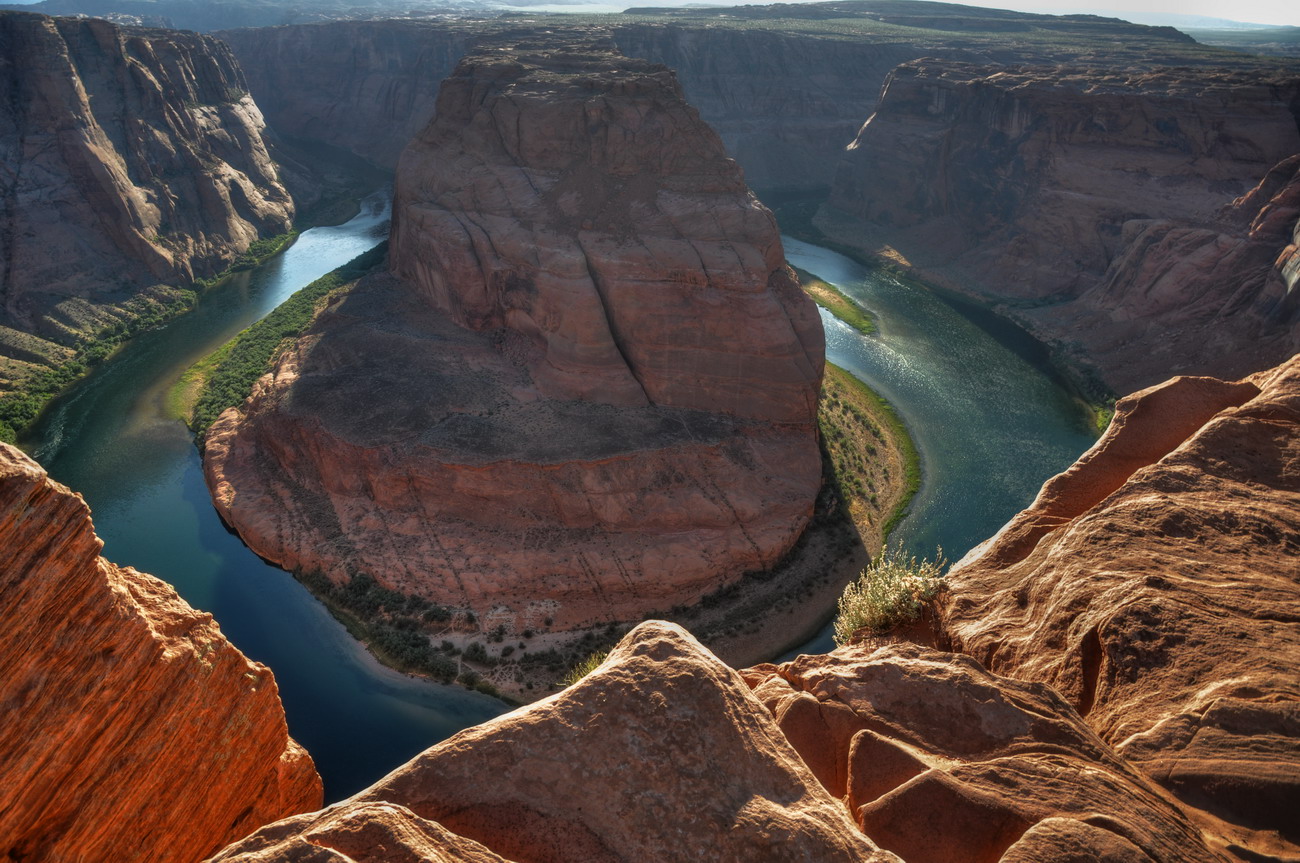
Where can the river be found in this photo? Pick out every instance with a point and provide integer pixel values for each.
(991, 424)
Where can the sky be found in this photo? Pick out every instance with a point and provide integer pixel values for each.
(1252, 11)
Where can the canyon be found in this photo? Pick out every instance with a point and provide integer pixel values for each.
(583, 390)
(134, 165)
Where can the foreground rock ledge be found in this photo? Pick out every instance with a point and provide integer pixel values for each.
(1155, 584)
(132, 729)
(662, 753)
(587, 391)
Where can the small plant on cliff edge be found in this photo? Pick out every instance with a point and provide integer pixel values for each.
(588, 665)
(890, 592)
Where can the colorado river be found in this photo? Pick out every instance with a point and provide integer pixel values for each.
(991, 426)
(989, 418)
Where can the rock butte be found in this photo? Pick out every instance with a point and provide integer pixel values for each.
(586, 391)
(137, 159)
(132, 729)
(1154, 585)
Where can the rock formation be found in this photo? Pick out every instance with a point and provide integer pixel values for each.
(588, 393)
(132, 729)
(1089, 201)
(132, 158)
(937, 760)
(662, 753)
(1154, 585)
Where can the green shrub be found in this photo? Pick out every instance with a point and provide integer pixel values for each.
(588, 665)
(889, 592)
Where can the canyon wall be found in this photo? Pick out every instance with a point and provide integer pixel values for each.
(1154, 585)
(133, 158)
(586, 392)
(1090, 203)
(132, 730)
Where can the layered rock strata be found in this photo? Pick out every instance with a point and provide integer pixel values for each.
(1091, 200)
(587, 393)
(132, 158)
(1154, 584)
(662, 753)
(132, 729)
(937, 759)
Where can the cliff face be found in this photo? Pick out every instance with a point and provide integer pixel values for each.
(132, 158)
(847, 756)
(1035, 186)
(1154, 584)
(367, 87)
(591, 392)
(133, 730)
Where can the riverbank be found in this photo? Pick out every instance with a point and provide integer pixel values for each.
(148, 310)
(801, 216)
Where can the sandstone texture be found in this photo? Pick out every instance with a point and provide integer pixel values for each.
(589, 390)
(133, 158)
(132, 729)
(939, 760)
(662, 753)
(1092, 203)
(1155, 585)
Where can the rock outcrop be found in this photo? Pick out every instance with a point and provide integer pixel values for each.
(938, 760)
(589, 395)
(1154, 584)
(662, 753)
(133, 158)
(1090, 201)
(132, 729)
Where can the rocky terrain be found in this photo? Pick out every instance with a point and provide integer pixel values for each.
(134, 160)
(1097, 205)
(133, 730)
(1154, 584)
(587, 390)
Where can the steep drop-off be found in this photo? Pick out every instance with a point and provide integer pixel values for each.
(588, 390)
(132, 159)
(1090, 201)
(1155, 584)
(132, 729)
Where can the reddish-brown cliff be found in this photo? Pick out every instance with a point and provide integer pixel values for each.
(590, 395)
(939, 760)
(132, 729)
(1154, 583)
(1090, 201)
(662, 753)
(132, 158)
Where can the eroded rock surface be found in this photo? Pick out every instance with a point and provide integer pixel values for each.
(939, 760)
(132, 158)
(589, 395)
(1091, 202)
(132, 729)
(1155, 585)
(662, 753)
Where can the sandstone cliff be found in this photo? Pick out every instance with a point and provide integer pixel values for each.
(589, 395)
(132, 158)
(1044, 188)
(1154, 585)
(132, 729)
(663, 753)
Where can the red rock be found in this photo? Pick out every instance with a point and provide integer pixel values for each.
(947, 762)
(590, 397)
(660, 754)
(1163, 608)
(132, 730)
(136, 157)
